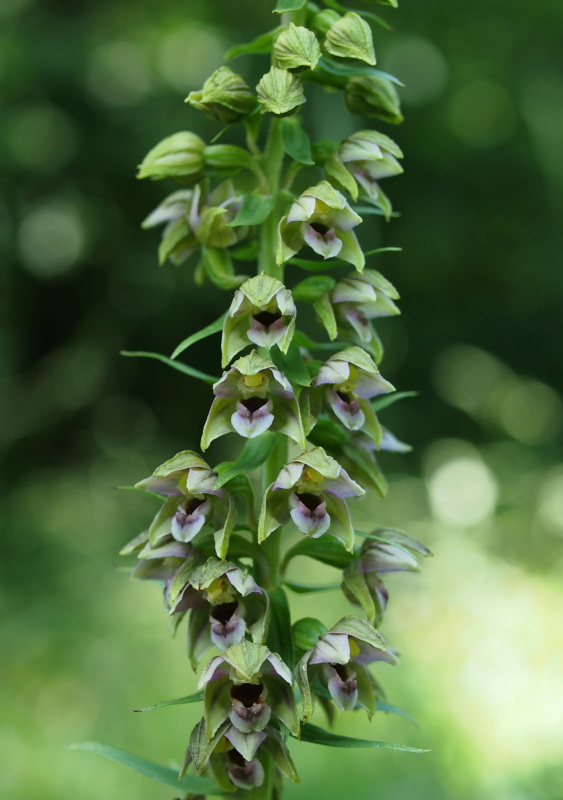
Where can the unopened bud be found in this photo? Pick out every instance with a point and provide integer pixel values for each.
(179, 156)
(297, 49)
(225, 97)
(280, 93)
(372, 96)
(350, 37)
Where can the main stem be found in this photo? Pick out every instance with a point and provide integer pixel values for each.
(276, 461)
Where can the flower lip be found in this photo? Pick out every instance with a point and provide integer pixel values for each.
(311, 501)
(253, 404)
(247, 693)
(224, 612)
(266, 318)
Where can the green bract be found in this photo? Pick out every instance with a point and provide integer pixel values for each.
(302, 403)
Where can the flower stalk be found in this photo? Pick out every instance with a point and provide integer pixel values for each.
(305, 415)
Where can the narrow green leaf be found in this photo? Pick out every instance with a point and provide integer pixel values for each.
(142, 491)
(253, 455)
(383, 250)
(291, 364)
(288, 5)
(327, 550)
(389, 709)
(209, 330)
(296, 142)
(187, 370)
(302, 340)
(255, 209)
(179, 701)
(310, 733)
(260, 46)
(345, 71)
(280, 638)
(157, 772)
(302, 588)
(316, 266)
(388, 399)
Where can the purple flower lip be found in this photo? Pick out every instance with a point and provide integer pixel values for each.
(244, 774)
(343, 686)
(309, 513)
(190, 518)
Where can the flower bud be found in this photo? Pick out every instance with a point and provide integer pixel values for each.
(280, 93)
(179, 156)
(296, 49)
(373, 96)
(225, 97)
(323, 21)
(350, 37)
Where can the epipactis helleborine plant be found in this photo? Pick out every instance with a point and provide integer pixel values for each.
(304, 413)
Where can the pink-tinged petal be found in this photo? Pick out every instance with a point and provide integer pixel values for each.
(237, 301)
(347, 409)
(167, 486)
(280, 668)
(353, 290)
(368, 654)
(200, 481)
(342, 685)
(227, 628)
(188, 599)
(252, 417)
(385, 167)
(390, 443)
(246, 717)
(227, 385)
(245, 743)
(343, 486)
(211, 671)
(322, 240)
(190, 519)
(285, 388)
(333, 372)
(245, 774)
(302, 209)
(308, 512)
(289, 476)
(385, 558)
(372, 385)
(332, 648)
(359, 322)
(266, 335)
(242, 581)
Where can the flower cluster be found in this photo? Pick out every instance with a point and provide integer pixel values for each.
(305, 414)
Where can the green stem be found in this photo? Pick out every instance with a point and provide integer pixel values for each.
(272, 165)
(271, 548)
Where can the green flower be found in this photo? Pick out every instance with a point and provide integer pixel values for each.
(322, 219)
(262, 313)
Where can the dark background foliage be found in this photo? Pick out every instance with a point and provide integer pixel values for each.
(87, 88)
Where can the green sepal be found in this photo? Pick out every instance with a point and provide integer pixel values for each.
(350, 37)
(280, 93)
(246, 658)
(304, 588)
(178, 240)
(136, 544)
(255, 210)
(296, 142)
(356, 590)
(201, 747)
(296, 48)
(199, 640)
(282, 702)
(302, 679)
(367, 697)
(341, 523)
(367, 465)
(398, 539)
(282, 759)
(217, 700)
(380, 403)
(358, 628)
(222, 535)
(325, 312)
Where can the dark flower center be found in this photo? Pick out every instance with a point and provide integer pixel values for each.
(344, 396)
(266, 318)
(311, 501)
(254, 403)
(247, 693)
(192, 505)
(320, 228)
(236, 758)
(223, 612)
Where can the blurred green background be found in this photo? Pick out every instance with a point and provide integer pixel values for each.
(86, 89)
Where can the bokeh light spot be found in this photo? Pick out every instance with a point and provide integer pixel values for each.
(188, 55)
(41, 137)
(119, 73)
(421, 66)
(51, 238)
(482, 114)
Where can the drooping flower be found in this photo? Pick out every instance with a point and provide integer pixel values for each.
(351, 378)
(322, 219)
(253, 396)
(224, 604)
(362, 160)
(191, 503)
(338, 659)
(262, 313)
(357, 300)
(311, 491)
